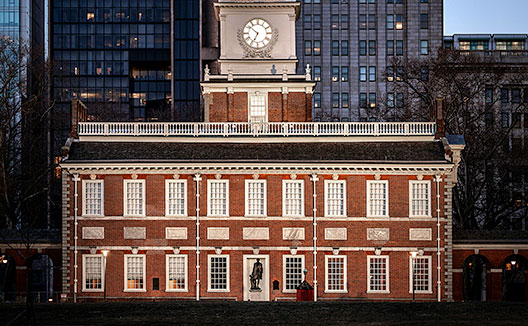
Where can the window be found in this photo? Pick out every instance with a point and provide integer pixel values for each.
(93, 278)
(317, 48)
(217, 197)
(399, 73)
(335, 194)
(372, 100)
(307, 21)
(134, 197)
(390, 100)
(334, 22)
(293, 197)
(420, 198)
(390, 73)
(335, 280)
(344, 21)
(378, 274)
(92, 198)
(390, 21)
(255, 197)
(372, 47)
(307, 47)
(516, 95)
(362, 100)
(176, 197)
(335, 73)
(176, 273)
(317, 100)
(135, 273)
(390, 47)
(257, 108)
(218, 273)
(317, 21)
(525, 95)
(399, 47)
(399, 100)
(317, 73)
(362, 21)
(344, 47)
(509, 45)
(505, 120)
(344, 100)
(293, 267)
(362, 74)
(399, 21)
(344, 74)
(372, 74)
(362, 47)
(505, 95)
(372, 21)
(424, 21)
(377, 198)
(424, 47)
(424, 73)
(424, 1)
(422, 274)
(489, 95)
(335, 47)
(335, 100)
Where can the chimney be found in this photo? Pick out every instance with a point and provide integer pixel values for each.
(78, 114)
(438, 116)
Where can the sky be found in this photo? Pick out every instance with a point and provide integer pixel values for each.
(485, 16)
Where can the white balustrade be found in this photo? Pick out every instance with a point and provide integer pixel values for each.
(238, 129)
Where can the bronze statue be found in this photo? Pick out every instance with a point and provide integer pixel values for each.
(256, 275)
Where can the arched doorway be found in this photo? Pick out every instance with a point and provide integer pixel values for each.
(475, 278)
(41, 278)
(513, 278)
(7, 278)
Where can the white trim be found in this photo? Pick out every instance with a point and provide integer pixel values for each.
(228, 274)
(265, 282)
(284, 257)
(144, 289)
(262, 248)
(261, 92)
(284, 182)
(429, 272)
(84, 182)
(345, 285)
(246, 205)
(387, 273)
(167, 182)
(326, 185)
(209, 182)
(186, 273)
(84, 289)
(386, 182)
(125, 208)
(428, 182)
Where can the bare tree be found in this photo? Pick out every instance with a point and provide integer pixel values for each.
(475, 88)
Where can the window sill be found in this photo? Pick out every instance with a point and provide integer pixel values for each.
(335, 291)
(177, 290)
(289, 291)
(378, 292)
(421, 292)
(135, 290)
(175, 215)
(92, 215)
(93, 290)
(218, 291)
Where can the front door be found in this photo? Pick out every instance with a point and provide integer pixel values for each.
(256, 278)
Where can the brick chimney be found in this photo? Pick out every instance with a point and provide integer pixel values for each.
(438, 117)
(78, 114)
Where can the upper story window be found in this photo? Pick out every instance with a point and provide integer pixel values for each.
(317, 73)
(217, 197)
(293, 197)
(399, 47)
(390, 21)
(344, 74)
(424, 47)
(510, 45)
(134, 197)
(362, 21)
(176, 273)
(335, 47)
(390, 47)
(93, 278)
(372, 47)
(317, 100)
(344, 100)
(92, 198)
(344, 21)
(135, 273)
(344, 47)
(307, 21)
(255, 197)
(307, 47)
(335, 100)
(362, 47)
(474, 45)
(335, 198)
(257, 108)
(424, 21)
(176, 197)
(372, 22)
(378, 274)
(316, 47)
(377, 198)
(420, 198)
(335, 73)
(317, 21)
(335, 22)
(399, 21)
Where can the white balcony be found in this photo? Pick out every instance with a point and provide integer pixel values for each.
(245, 129)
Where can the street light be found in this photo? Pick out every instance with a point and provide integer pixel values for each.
(413, 256)
(105, 253)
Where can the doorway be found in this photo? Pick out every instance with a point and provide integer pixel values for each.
(256, 286)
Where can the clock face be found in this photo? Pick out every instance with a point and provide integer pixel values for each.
(257, 33)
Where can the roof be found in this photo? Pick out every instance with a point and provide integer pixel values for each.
(489, 236)
(322, 152)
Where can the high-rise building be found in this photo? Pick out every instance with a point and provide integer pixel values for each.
(350, 46)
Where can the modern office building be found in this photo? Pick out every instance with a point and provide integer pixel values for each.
(350, 45)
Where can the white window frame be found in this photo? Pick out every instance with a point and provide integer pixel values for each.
(125, 208)
(265, 96)
(209, 182)
(186, 273)
(84, 183)
(344, 257)
(265, 208)
(303, 266)
(284, 183)
(411, 183)
(387, 272)
(84, 273)
(429, 272)
(167, 182)
(386, 182)
(228, 274)
(327, 185)
(144, 289)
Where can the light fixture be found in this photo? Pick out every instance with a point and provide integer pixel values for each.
(513, 262)
(105, 252)
(413, 254)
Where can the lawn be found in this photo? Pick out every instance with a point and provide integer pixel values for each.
(272, 313)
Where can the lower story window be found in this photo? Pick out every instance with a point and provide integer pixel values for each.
(293, 272)
(378, 274)
(421, 276)
(92, 272)
(176, 272)
(135, 273)
(335, 274)
(218, 273)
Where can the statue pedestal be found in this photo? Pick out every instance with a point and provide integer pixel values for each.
(255, 295)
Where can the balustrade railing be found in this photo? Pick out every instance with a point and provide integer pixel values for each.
(240, 129)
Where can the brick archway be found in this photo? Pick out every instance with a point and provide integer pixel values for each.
(476, 279)
(514, 270)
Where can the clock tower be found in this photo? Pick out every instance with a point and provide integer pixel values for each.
(257, 81)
